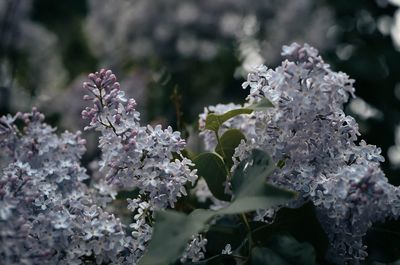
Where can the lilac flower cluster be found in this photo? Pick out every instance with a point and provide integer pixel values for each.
(47, 214)
(145, 158)
(133, 156)
(315, 143)
(195, 249)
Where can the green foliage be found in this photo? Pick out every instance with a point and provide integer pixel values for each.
(211, 167)
(214, 167)
(261, 105)
(171, 233)
(226, 230)
(227, 144)
(284, 250)
(173, 230)
(214, 121)
(249, 187)
(301, 223)
(257, 167)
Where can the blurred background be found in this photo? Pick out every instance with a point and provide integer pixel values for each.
(177, 57)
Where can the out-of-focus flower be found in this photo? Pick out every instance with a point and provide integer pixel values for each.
(199, 29)
(35, 46)
(227, 250)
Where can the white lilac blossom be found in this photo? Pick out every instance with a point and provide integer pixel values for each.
(315, 143)
(48, 215)
(348, 204)
(142, 230)
(136, 81)
(133, 156)
(227, 250)
(137, 30)
(145, 158)
(194, 251)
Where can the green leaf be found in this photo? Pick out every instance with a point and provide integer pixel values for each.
(188, 154)
(225, 230)
(173, 230)
(261, 105)
(253, 203)
(124, 194)
(265, 256)
(214, 121)
(250, 188)
(250, 175)
(301, 223)
(211, 167)
(284, 250)
(228, 142)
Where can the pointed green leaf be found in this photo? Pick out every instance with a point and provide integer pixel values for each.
(250, 176)
(250, 188)
(173, 230)
(253, 203)
(211, 167)
(261, 105)
(228, 142)
(214, 121)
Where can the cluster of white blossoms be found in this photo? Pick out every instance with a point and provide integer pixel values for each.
(198, 29)
(47, 214)
(317, 149)
(194, 251)
(135, 157)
